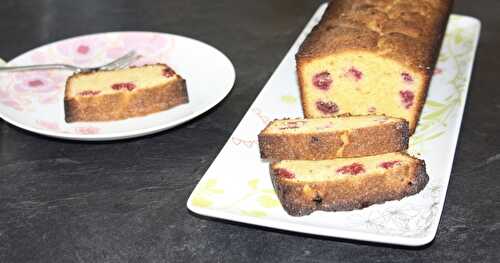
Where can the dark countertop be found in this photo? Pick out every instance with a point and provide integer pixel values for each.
(63, 201)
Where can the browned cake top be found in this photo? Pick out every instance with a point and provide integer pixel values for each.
(406, 30)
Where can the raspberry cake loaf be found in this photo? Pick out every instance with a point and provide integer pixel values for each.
(329, 138)
(347, 183)
(124, 93)
(371, 57)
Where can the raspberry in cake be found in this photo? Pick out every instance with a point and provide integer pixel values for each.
(124, 93)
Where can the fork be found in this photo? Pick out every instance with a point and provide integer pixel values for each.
(119, 63)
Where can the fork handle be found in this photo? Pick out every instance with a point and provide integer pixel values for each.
(38, 67)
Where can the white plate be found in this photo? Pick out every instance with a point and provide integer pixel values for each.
(34, 100)
(237, 185)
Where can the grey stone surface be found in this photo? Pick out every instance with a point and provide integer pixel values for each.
(63, 201)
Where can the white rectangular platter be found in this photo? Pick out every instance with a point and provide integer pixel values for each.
(237, 185)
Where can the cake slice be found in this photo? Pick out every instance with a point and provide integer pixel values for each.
(371, 57)
(329, 138)
(347, 183)
(124, 93)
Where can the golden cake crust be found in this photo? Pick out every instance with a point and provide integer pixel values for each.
(120, 105)
(406, 31)
(355, 192)
(373, 140)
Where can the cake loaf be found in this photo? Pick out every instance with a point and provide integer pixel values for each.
(123, 93)
(346, 183)
(371, 57)
(329, 138)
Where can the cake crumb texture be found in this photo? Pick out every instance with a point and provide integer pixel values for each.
(120, 94)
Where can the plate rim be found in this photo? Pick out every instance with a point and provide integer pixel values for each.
(138, 132)
(290, 227)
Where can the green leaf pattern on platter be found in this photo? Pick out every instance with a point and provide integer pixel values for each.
(268, 201)
(433, 122)
(289, 99)
(254, 213)
(209, 194)
(201, 201)
(205, 192)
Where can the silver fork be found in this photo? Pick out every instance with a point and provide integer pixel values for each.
(119, 63)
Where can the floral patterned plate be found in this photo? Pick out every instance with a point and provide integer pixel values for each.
(34, 100)
(237, 186)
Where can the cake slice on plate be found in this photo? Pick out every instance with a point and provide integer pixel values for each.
(124, 93)
(329, 138)
(346, 183)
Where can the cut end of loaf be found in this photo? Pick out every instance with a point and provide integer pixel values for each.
(358, 83)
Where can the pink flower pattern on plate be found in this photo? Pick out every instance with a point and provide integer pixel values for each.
(49, 125)
(12, 104)
(81, 50)
(151, 47)
(6, 96)
(43, 87)
(87, 130)
(36, 82)
(39, 57)
(38, 91)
